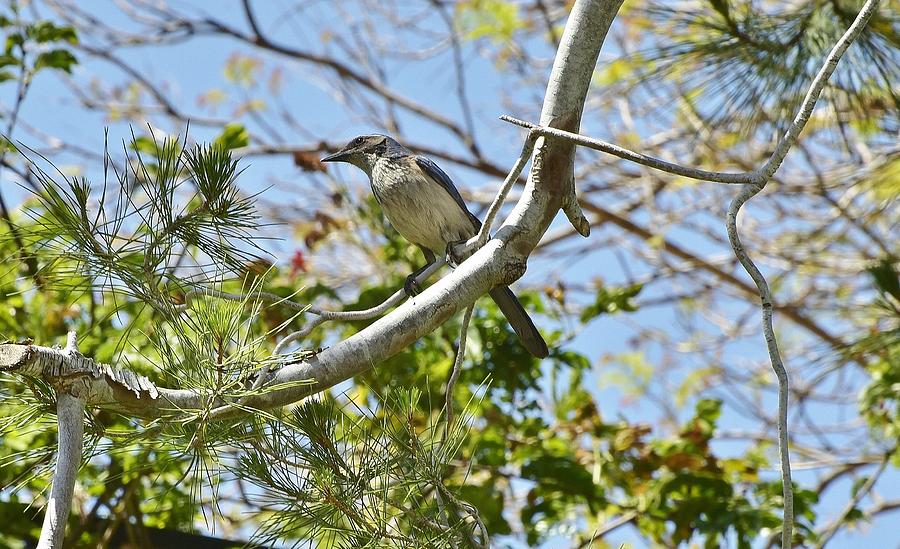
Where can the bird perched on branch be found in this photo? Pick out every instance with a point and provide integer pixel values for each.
(422, 203)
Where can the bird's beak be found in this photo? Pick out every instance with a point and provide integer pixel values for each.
(340, 156)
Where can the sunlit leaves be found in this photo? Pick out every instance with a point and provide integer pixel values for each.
(47, 31)
(242, 70)
(886, 180)
(611, 300)
(880, 399)
(46, 38)
(494, 19)
(233, 136)
(56, 59)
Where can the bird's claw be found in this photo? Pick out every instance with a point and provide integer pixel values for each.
(453, 259)
(411, 286)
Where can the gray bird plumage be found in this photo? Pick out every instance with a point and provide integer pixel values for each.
(423, 204)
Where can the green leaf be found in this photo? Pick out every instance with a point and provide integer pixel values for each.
(144, 144)
(494, 19)
(612, 299)
(46, 31)
(6, 60)
(233, 136)
(56, 59)
(13, 40)
(886, 278)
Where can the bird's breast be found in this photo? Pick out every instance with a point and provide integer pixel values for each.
(419, 208)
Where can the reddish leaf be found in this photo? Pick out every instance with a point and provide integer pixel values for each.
(298, 263)
(308, 161)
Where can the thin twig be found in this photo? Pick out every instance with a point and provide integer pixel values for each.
(322, 316)
(364, 314)
(638, 158)
(748, 192)
(609, 527)
(457, 369)
(508, 183)
(281, 301)
(473, 513)
(774, 355)
(863, 490)
(755, 180)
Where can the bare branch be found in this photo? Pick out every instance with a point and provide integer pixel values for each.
(829, 531)
(508, 183)
(638, 158)
(765, 294)
(70, 421)
(457, 368)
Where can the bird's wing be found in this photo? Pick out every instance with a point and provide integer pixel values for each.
(433, 171)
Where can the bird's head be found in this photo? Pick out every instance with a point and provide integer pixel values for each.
(364, 150)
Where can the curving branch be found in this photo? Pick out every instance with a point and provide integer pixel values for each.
(755, 182)
(457, 369)
(765, 294)
(831, 529)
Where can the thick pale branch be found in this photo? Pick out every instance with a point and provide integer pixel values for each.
(550, 184)
(70, 419)
(70, 440)
(95, 383)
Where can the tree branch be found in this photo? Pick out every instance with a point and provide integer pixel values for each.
(70, 419)
(765, 294)
(756, 181)
(832, 528)
(457, 369)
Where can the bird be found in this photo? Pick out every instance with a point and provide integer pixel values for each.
(420, 200)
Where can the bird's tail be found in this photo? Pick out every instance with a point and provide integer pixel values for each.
(519, 320)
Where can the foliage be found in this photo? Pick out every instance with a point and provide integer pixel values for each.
(132, 241)
(733, 57)
(611, 300)
(880, 399)
(496, 19)
(358, 479)
(50, 41)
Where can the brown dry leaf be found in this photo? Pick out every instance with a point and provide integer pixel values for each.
(308, 161)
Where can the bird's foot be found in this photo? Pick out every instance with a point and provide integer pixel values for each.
(411, 286)
(454, 259)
